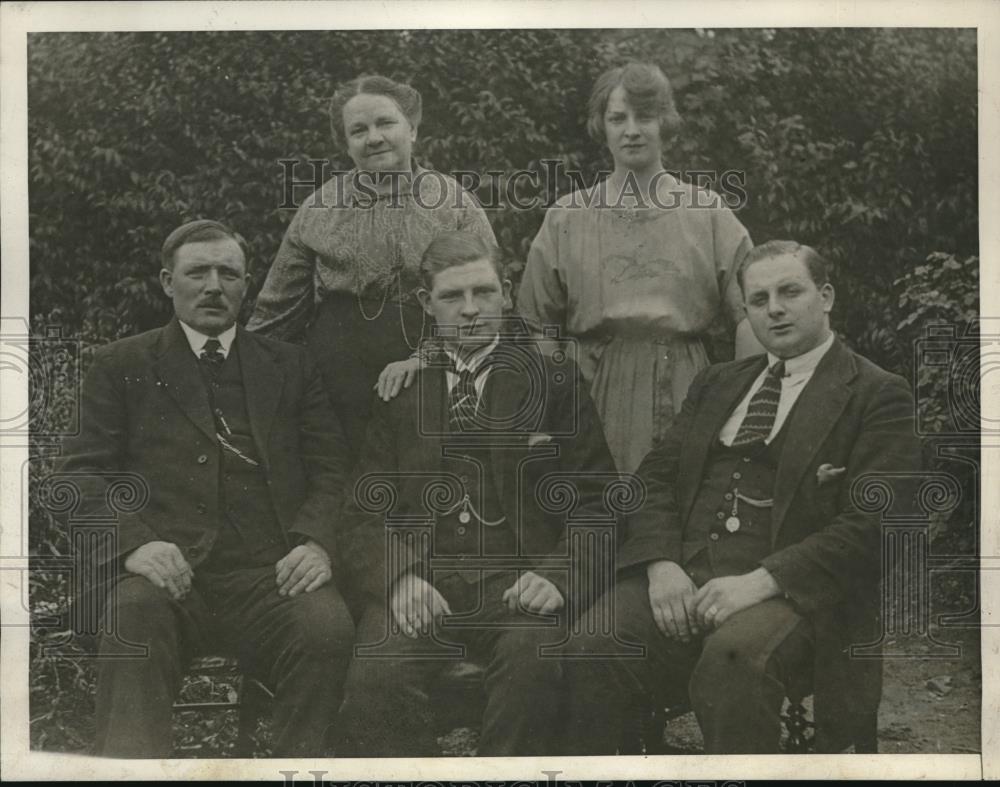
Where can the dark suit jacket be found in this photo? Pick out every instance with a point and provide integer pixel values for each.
(540, 430)
(826, 554)
(145, 410)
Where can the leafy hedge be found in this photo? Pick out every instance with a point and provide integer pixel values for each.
(860, 142)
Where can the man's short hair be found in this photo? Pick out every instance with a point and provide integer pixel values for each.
(199, 231)
(453, 248)
(817, 265)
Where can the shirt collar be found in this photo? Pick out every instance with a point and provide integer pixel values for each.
(474, 362)
(197, 339)
(805, 363)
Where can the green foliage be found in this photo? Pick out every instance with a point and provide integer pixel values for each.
(943, 293)
(860, 142)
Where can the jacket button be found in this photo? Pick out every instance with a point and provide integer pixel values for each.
(202, 508)
(202, 459)
(737, 475)
(728, 495)
(746, 458)
(714, 536)
(719, 515)
(460, 531)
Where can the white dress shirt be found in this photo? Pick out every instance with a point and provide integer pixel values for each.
(197, 339)
(798, 370)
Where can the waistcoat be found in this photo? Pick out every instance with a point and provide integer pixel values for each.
(250, 534)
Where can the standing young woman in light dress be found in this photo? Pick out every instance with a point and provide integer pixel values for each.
(637, 268)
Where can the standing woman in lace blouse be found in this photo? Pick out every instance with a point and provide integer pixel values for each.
(637, 268)
(345, 277)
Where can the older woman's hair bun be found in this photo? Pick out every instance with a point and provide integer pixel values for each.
(646, 88)
(407, 99)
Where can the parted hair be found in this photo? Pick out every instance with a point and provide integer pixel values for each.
(406, 98)
(453, 248)
(646, 89)
(199, 231)
(817, 265)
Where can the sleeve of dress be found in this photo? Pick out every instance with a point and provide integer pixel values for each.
(732, 244)
(285, 303)
(541, 299)
(473, 218)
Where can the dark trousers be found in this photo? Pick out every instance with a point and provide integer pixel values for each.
(299, 647)
(387, 707)
(735, 677)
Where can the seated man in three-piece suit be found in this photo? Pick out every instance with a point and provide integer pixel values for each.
(481, 555)
(245, 464)
(750, 567)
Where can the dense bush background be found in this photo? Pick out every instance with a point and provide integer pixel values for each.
(862, 143)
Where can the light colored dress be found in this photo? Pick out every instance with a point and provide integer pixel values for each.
(345, 278)
(637, 290)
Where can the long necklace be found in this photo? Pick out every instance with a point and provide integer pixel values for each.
(358, 284)
(396, 271)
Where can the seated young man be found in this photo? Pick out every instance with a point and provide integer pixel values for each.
(464, 450)
(750, 566)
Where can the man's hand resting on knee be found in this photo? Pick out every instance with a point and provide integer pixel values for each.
(672, 600)
(303, 570)
(534, 594)
(720, 598)
(162, 564)
(416, 604)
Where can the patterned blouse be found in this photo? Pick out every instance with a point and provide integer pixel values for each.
(347, 238)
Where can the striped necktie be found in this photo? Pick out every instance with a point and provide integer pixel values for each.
(463, 401)
(762, 410)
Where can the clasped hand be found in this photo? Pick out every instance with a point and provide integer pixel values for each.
(720, 598)
(682, 611)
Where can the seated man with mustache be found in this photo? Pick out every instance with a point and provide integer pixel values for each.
(245, 463)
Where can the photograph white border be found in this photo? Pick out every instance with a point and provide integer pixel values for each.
(17, 762)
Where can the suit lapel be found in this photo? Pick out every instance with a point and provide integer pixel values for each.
(177, 369)
(814, 415)
(505, 401)
(726, 393)
(263, 380)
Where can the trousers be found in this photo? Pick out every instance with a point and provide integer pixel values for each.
(735, 677)
(298, 646)
(387, 706)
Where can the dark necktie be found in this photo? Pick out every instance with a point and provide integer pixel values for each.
(211, 357)
(762, 410)
(463, 401)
